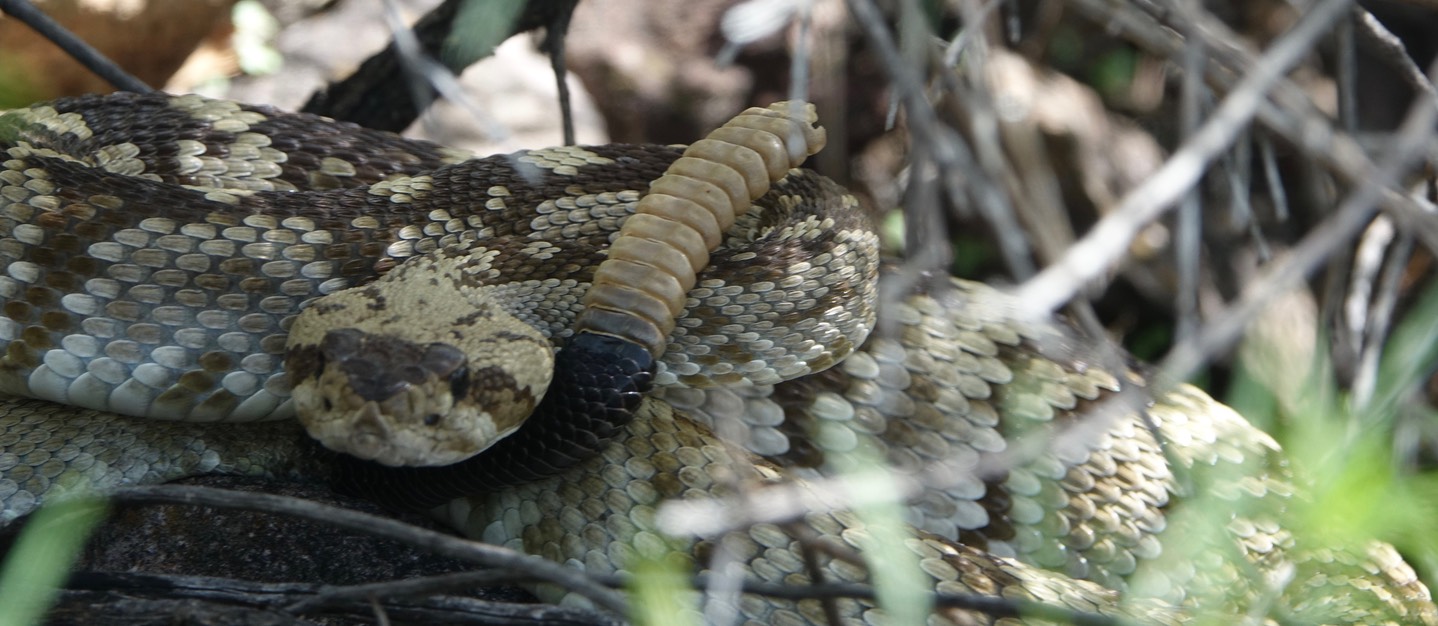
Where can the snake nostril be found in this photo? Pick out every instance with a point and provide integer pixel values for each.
(329, 405)
(459, 384)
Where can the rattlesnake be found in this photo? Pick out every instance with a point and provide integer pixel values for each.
(947, 393)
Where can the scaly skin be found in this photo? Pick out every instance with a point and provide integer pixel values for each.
(1026, 485)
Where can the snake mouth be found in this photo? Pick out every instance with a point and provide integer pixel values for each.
(370, 430)
(417, 425)
(369, 437)
(435, 421)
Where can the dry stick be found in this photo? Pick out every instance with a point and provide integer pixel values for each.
(1339, 266)
(1346, 74)
(1106, 243)
(425, 73)
(408, 587)
(1290, 113)
(151, 598)
(554, 36)
(72, 45)
(824, 591)
(1240, 184)
(722, 588)
(528, 567)
(816, 571)
(347, 595)
(994, 606)
(1355, 211)
(943, 144)
(799, 64)
(1189, 226)
(1274, 182)
(1384, 303)
(974, 20)
(438, 543)
(368, 96)
(1351, 305)
(805, 41)
(381, 616)
(1292, 116)
(1390, 49)
(983, 123)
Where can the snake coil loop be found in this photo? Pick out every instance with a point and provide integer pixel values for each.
(135, 280)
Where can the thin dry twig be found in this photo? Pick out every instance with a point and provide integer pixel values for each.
(438, 543)
(1356, 210)
(368, 96)
(146, 598)
(941, 144)
(82, 52)
(1105, 244)
(409, 587)
(424, 72)
(1392, 51)
(824, 591)
(1289, 112)
(1189, 229)
(1384, 302)
(985, 135)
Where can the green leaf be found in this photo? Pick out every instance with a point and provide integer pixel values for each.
(41, 559)
(659, 588)
(479, 27)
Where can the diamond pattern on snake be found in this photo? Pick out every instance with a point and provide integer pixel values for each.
(174, 262)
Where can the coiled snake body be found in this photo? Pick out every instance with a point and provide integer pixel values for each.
(123, 294)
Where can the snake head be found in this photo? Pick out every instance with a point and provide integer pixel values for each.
(400, 402)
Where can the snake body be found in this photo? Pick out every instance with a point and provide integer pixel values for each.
(188, 315)
(1017, 492)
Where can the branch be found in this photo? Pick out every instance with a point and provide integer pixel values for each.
(483, 554)
(82, 52)
(375, 97)
(1102, 247)
(1281, 276)
(115, 597)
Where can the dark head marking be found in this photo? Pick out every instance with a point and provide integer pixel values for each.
(378, 367)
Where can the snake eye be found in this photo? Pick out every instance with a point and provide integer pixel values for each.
(431, 419)
(459, 383)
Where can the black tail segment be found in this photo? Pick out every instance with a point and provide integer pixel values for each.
(598, 383)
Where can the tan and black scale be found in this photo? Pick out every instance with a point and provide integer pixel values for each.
(139, 296)
(950, 397)
(200, 142)
(602, 515)
(953, 395)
